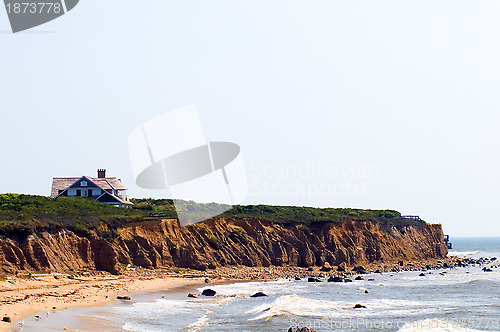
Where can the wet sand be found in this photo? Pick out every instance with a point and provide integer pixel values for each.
(101, 318)
(22, 297)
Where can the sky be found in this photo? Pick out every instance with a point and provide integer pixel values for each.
(361, 104)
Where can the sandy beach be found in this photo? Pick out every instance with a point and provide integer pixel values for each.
(24, 296)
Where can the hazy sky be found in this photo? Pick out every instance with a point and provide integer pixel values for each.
(365, 104)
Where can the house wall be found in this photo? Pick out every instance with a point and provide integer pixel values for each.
(95, 191)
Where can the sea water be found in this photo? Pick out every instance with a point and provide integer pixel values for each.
(462, 299)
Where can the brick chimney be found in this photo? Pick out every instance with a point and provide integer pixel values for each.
(101, 173)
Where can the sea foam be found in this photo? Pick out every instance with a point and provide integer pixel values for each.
(199, 324)
(295, 305)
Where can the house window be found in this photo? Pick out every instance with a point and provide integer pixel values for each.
(90, 192)
(78, 192)
(83, 183)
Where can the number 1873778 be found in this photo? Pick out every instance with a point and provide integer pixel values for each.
(33, 8)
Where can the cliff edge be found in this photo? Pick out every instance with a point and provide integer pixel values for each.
(160, 243)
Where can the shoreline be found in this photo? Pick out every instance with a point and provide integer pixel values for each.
(102, 318)
(28, 295)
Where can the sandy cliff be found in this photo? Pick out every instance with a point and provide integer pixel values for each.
(161, 243)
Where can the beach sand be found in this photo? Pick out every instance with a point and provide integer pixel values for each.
(25, 296)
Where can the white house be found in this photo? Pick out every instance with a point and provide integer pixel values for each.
(102, 189)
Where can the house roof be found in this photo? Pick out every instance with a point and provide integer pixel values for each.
(107, 197)
(61, 184)
(109, 183)
(103, 183)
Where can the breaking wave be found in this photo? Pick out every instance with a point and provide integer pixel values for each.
(295, 305)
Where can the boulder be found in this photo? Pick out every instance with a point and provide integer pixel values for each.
(6, 319)
(359, 270)
(421, 275)
(208, 292)
(297, 278)
(313, 279)
(326, 267)
(335, 279)
(301, 329)
(359, 306)
(347, 280)
(123, 297)
(192, 295)
(359, 278)
(258, 294)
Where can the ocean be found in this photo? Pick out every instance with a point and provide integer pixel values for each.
(463, 299)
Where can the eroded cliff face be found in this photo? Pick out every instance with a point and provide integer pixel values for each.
(162, 243)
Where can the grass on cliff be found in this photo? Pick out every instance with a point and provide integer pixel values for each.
(307, 215)
(279, 214)
(25, 214)
(21, 215)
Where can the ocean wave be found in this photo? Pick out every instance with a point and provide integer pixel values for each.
(244, 289)
(434, 325)
(450, 279)
(482, 283)
(199, 324)
(149, 311)
(295, 305)
(475, 253)
(464, 253)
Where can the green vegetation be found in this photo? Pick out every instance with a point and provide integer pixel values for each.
(21, 215)
(163, 207)
(303, 228)
(212, 239)
(308, 215)
(239, 233)
(25, 214)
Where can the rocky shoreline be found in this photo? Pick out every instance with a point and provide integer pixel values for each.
(343, 270)
(27, 294)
